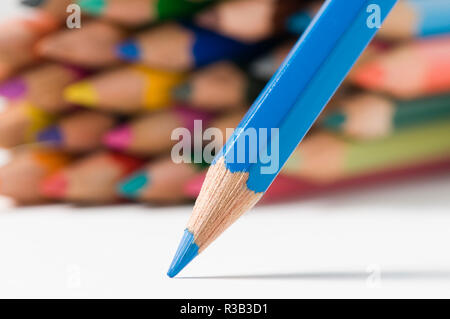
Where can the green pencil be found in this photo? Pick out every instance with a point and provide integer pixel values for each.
(326, 157)
(138, 12)
(368, 116)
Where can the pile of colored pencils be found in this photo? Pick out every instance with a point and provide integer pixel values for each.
(90, 111)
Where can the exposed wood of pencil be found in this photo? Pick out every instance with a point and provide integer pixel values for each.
(45, 84)
(399, 24)
(84, 130)
(221, 85)
(223, 199)
(157, 51)
(248, 20)
(93, 45)
(17, 39)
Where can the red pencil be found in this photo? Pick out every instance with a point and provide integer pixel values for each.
(289, 188)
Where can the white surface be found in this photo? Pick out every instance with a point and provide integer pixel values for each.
(330, 247)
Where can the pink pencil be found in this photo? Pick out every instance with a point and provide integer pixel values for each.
(151, 134)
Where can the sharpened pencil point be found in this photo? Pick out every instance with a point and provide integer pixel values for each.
(51, 135)
(55, 186)
(129, 51)
(13, 89)
(370, 76)
(131, 187)
(119, 138)
(81, 93)
(187, 250)
(94, 7)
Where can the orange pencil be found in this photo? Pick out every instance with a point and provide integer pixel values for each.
(21, 177)
(17, 38)
(412, 70)
(91, 180)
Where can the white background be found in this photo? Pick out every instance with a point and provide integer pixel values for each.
(388, 242)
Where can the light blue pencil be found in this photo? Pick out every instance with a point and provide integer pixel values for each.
(409, 19)
(279, 119)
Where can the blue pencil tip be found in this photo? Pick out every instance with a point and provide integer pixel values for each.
(129, 51)
(51, 135)
(187, 250)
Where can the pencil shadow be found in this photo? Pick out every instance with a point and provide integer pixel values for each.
(343, 275)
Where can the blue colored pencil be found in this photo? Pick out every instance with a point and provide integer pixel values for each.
(409, 19)
(291, 102)
(189, 47)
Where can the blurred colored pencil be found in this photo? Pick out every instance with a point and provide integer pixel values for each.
(248, 20)
(125, 90)
(79, 132)
(324, 157)
(189, 47)
(92, 46)
(417, 18)
(42, 86)
(220, 86)
(91, 180)
(412, 70)
(291, 188)
(57, 8)
(369, 116)
(151, 134)
(161, 182)
(21, 177)
(21, 123)
(17, 38)
(138, 12)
